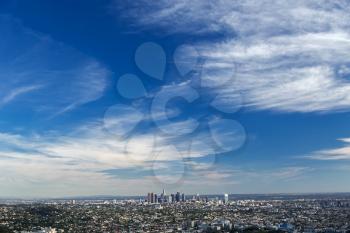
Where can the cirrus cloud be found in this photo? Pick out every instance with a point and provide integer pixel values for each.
(51, 75)
(286, 56)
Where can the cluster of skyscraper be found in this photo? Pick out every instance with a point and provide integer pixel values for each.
(178, 197)
(163, 198)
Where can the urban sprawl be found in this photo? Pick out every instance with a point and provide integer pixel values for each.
(179, 213)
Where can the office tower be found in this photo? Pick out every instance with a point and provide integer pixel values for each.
(225, 198)
(152, 197)
(163, 197)
(149, 198)
(172, 198)
(177, 197)
(155, 198)
(183, 197)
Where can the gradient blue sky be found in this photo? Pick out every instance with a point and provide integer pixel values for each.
(72, 123)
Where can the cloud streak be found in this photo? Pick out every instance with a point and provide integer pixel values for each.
(285, 56)
(341, 153)
(53, 164)
(30, 61)
(85, 153)
(18, 92)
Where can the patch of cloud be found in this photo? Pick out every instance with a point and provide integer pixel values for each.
(17, 92)
(244, 17)
(287, 56)
(91, 161)
(341, 153)
(86, 153)
(56, 164)
(178, 14)
(289, 172)
(272, 175)
(70, 162)
(52, 76)
(244, 176)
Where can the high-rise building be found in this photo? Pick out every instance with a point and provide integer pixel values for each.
(171, 199)
(152, 197)
(225, 198)
(177, 197)
(163, 197)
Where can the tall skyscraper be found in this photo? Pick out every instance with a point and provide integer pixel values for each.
(149, 198)
(225, 198)
(171, 199)
(163, 197)
(177, 197)
(152, 197)
(183, 197)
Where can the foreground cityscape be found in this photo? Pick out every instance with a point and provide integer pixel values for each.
(180, 213)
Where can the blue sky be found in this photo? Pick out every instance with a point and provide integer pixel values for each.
(127, 97)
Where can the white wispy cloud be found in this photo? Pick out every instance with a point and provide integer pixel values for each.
(279, 55)
(273, 174)
(13, 94)
(249, 17)
(83, 155)
(56, 164)
(66, 164)
(31, 61)
(340, 153)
